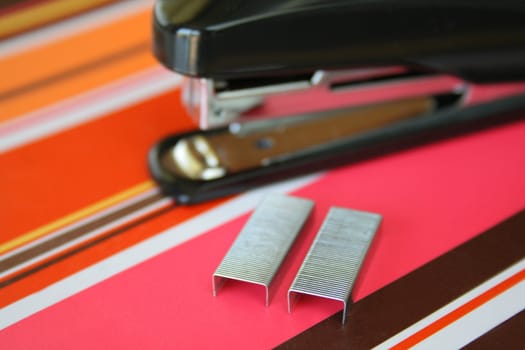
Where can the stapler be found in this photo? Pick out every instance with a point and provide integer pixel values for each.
(283, 87)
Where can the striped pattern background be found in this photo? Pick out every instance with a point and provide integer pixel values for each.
(82, 100)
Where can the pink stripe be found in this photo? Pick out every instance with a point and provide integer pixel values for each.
(485, 93)
(432, 199)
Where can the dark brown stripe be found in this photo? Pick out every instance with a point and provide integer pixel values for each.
(509, 335)
(9, 6)
(81, 69)
(395, 307)
(87, 245)
(71, 235)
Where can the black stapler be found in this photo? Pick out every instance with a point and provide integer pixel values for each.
(247, 62)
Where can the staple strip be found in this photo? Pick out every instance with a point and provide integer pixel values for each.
(263, 243)
(335, 257)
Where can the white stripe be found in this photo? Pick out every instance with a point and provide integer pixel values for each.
(479, 321)
(92, 234)
(72, 26)
(86, 107)
(143, 251)
(465, 298)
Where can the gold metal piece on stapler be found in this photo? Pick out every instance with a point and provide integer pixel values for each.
(245, 146)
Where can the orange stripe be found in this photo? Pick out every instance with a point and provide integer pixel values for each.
(77, 216)
(27, 102)
(65, 54)
(20, 72)
(93, 254)
(59, 175)
(461, 311)
(43, 13)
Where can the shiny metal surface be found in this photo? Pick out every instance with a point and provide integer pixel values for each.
(263, 243)
(195, 159)
(214, 104)
(260, 143)
(335, 257)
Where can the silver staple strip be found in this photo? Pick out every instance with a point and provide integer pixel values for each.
(335, 257)
(263, 243)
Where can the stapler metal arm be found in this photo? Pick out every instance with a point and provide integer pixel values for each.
(317, 60)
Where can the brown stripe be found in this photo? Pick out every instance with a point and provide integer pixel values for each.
(69, 253)
(508, 335)
(69, 236)
(8, 6)
(395, 307)
(75, 71)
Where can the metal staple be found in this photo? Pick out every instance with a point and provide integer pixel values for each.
(335, 257)
(263, 243)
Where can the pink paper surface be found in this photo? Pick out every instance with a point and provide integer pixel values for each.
(432, 198)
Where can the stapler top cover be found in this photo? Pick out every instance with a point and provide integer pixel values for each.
(478, 40)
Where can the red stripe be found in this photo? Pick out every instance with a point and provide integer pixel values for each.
(56, 176)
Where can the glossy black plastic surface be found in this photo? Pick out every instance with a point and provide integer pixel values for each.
(478, 40)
